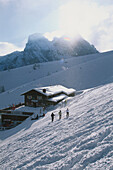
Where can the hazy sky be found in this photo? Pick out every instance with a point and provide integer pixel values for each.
(93, 19)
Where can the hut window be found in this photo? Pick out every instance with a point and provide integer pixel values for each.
(27, 103)
(29, 97)
(39, 97)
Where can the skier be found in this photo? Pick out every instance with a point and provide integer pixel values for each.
(60, 114)
(67, 113)
(52, 116)
(65, 102)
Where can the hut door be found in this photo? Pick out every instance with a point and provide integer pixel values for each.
(34, 104)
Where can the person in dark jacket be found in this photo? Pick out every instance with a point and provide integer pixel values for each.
(52, 117)
(60, 114)
(67, 113)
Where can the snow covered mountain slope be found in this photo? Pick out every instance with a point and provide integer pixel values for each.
(16, 77)
(80, 73)
(83, 141)
(39, 49)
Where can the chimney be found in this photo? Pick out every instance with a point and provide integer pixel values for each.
(44, 90)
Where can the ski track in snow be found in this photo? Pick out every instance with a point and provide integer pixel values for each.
(83, 141)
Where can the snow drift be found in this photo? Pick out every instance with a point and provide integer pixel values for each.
(84, 141)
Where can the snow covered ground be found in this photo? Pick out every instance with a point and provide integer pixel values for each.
(85, 139)
(15, 77)
(79, 73)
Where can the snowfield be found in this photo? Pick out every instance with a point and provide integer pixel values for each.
(85, 139)
(16, 77)
(79, 73)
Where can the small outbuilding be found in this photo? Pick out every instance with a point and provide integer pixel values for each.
(11, 118)
(44, 96)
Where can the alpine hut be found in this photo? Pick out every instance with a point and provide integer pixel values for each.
(44, 96)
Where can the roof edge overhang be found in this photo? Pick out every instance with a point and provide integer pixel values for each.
(32, 90)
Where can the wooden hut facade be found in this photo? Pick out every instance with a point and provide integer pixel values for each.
(9, 119)
(44, 96)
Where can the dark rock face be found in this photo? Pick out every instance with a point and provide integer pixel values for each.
(39, 49)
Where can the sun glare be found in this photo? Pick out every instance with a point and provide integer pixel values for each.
(80, 17)
(51, 35)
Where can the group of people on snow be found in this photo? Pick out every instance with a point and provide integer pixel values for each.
(60, 115)
(36, 116)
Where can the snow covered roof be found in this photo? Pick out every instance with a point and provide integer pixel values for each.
(57, 98)
(52, 90)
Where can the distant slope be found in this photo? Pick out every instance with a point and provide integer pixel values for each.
(84, 141)
(22, 75)
(39, 49)
(79, 74)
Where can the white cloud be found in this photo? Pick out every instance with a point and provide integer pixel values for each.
(51, 35)
(102, 33)
(81, 16)
(6, 48)
(94, 21)
(5, 2)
